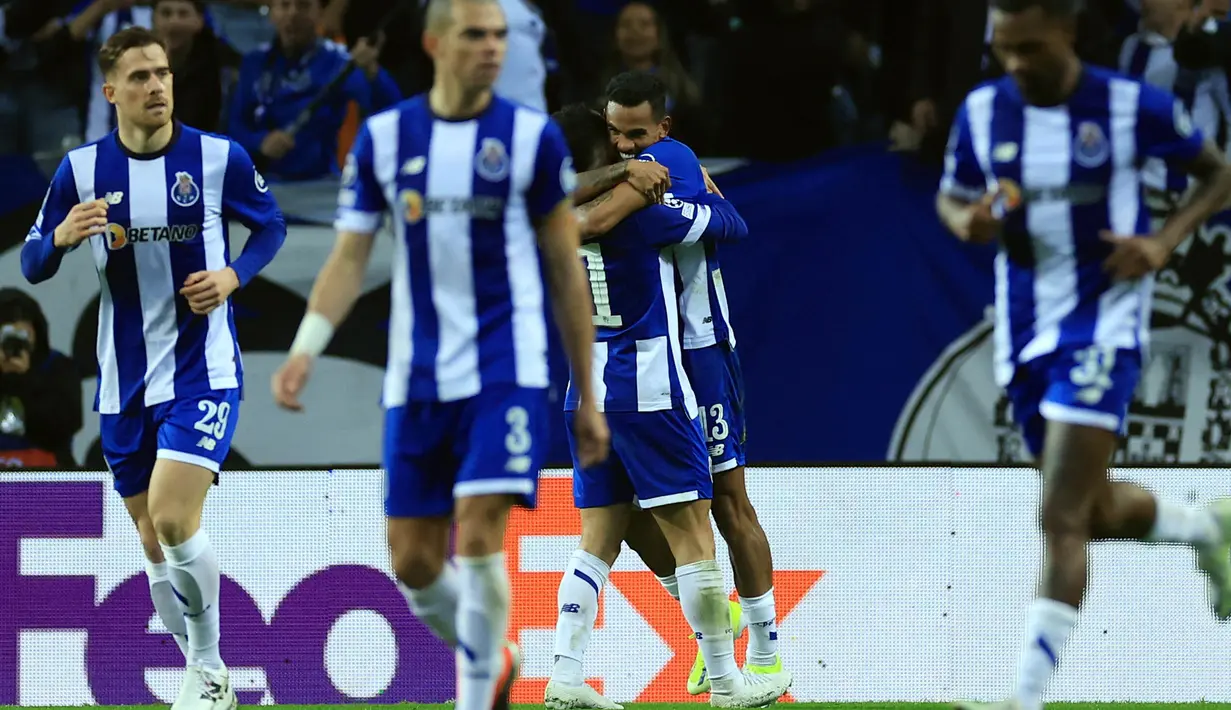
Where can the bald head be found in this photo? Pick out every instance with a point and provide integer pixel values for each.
(440, 13)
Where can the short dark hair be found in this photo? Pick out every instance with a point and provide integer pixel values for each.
(198, 5)
(120, 42)
(1051, 8)
(585, 131)
(633, 88)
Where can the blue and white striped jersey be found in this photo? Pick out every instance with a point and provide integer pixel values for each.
(1149, 56)
(167, 218)
(469, 303)
(1067, 173)
(636, 364)
(703, 297)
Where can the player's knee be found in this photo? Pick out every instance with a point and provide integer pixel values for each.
(172, 527)
(1067, 513)
(149, 540)
(414, 566)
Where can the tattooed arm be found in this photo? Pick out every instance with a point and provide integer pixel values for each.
(650, 179)
(603, 213)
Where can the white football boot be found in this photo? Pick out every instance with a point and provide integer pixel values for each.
(759, 690)
(576, 697)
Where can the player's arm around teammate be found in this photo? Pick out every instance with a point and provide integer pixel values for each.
(649, 179)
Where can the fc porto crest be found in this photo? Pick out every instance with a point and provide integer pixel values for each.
(492, 162)
(185, 192)
(1090, 146)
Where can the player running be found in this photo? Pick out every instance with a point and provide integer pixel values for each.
(639, 125)
(152, 200)
(659, 460)
(468, 178)
(1048, 160)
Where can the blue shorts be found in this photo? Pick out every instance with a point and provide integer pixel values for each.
(492, 443)
(194, 430)
(1092, 386)
(657, 458)
(718, 382)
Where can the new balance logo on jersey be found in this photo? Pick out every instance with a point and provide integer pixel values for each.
(206, 443)
(570, 609)
(113, 198)
(118, 237)
(414, 166)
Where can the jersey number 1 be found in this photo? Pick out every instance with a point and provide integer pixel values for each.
(597, 272)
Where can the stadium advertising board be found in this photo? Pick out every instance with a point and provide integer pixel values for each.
(895, 584)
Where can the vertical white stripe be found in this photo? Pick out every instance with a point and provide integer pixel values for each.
(666, 274)
(979, 120)
(220, 351)
(83, 161)
(1046, 163)
(521, 254)
(694, 297)
(383, 128)
(1002, 358)
(449, 255)
(1119, 308)
(155, 282)
(598, 373)
(720, 291)
(653, 378)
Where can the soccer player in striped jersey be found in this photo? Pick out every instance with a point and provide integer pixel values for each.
(658, 461)
(639, 125)
(152, 201)
(479, 193)
(1048, 161)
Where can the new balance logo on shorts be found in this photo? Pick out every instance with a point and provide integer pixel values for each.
(206, 443)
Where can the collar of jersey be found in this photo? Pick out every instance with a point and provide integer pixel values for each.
(175, 136)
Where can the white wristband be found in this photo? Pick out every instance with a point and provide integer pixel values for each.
(315, 332)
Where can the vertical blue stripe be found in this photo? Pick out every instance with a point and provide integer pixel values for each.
(493, 294)
(414, 138)
(191, 369)
(586, 578)
(1140, 59)
(111, 175)
(1008, 128)
(1092, 163)
(621, 373)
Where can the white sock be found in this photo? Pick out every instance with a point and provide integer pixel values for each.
(1179, 523)
(580, 589)
(1048, 625)
(482, 621)
(705, 606)
(196, 581)
(166, 605)
(436, 605)
(671, 585)
(761, 615)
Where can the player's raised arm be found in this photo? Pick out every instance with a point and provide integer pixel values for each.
(61, 225)
(361, 209)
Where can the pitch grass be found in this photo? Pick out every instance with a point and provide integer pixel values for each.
(1198, 705)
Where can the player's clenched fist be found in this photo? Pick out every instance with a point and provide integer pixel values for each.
(84, 220)
(650, 179)
(206, 290)
(592, 435)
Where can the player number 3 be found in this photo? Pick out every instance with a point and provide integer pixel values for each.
(214, 422)
(517, 441)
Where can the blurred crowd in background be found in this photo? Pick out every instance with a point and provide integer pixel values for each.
(763, 79)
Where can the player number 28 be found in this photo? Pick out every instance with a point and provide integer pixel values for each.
(597, 271)
(720, 429)
(214, 422)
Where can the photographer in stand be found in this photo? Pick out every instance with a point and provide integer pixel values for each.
(40, 391)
